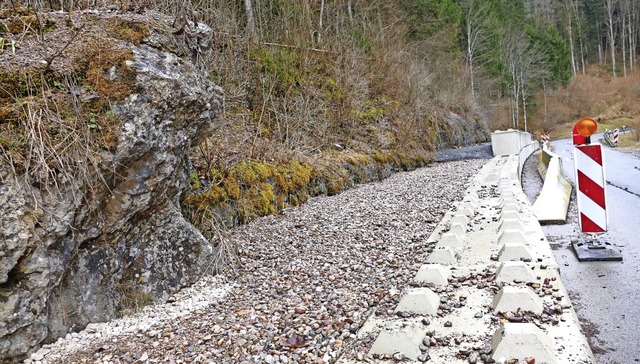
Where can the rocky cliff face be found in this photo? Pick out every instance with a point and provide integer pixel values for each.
(81, 249)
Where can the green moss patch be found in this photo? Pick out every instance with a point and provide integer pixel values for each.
(250, 189)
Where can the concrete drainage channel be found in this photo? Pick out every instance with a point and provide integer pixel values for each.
(490, 291)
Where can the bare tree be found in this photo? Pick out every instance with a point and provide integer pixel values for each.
(567, 6)
(610, 7)
(251, 24)
(512, 48)
(318, 34)
(525, 63)
(623, 39)
(476, 34)
(628, 29)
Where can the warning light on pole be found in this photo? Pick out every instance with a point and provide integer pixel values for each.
(583, 130)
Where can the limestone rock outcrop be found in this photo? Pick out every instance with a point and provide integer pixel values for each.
(78, 251)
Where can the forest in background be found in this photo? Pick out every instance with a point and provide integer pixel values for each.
(349, 81)
(282, 61)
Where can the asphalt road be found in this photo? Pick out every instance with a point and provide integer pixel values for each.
(606, 295)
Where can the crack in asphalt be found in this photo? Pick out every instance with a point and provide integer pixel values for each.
(625, 189)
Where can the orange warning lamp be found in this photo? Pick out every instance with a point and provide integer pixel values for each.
(583, 130)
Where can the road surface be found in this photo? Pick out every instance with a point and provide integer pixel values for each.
(606, 294)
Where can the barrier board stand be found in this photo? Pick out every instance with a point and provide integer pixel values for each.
(591, 194)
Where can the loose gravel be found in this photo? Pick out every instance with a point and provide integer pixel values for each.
(471, 152)
(306, 281)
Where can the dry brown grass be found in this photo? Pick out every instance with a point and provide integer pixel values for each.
(635, 134)
(609, 100)
(48, 143)
(500, 116)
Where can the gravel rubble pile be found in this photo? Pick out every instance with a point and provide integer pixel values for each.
(305, 282)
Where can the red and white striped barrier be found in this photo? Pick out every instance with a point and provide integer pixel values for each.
(616, 134)
(590, 181)
(544, 137)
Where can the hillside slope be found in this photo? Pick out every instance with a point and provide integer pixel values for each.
(112, 131)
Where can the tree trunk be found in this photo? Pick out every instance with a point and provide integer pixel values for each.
(251, 24)
(318, 34)
(630, 32)
(523, 94)
(609, 6)
(320, 21)
(544, 92)
(582, 59)
(623, 38)
(569, 10)
(470, 60)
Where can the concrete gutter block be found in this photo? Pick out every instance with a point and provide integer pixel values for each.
(508, 272)
(507, 200)
(471, 195)
(507, 194)
(443, 255)
(437, 233)
(511, 215)
(492, 176)
(522, 340)
(466, 209)
(514, 251)
(452, 240)
(508, 207)
(447, 216)
(505, 182)
(512, 172)
(459, 218)
(458, 228)
(511, 236)
(510, 224)
(513, 299)
(422, 301)
(433, 273)
(401, 338)
(505, 186)
(471, 200)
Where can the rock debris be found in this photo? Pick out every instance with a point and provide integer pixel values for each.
(304, 284)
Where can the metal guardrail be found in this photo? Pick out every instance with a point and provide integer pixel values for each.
(608, 134)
